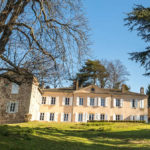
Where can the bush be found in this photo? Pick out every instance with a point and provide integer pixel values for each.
(123, 121)
(27, 117)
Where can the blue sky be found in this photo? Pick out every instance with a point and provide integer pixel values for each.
(112, 40)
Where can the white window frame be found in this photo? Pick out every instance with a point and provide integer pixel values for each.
(66, 117)
(91, 117)
(12, 107)
(80, 117)
(43, 100)
(103, 102)
(52, 117)
(92, 101)
(67, 101)
(42, 116)
(102, 117)
(80, 101)
(53, 100)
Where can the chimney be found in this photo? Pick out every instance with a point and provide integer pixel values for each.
(77, 84)
(42, 85)
(123, 88)
(142, 90)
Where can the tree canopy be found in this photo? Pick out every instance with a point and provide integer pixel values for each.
(105, 74)
(43, 37)
(139, 20)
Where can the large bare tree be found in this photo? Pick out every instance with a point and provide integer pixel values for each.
(39, 37)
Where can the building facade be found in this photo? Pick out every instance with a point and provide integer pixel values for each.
(92, 103)
(18, 101)
(68, 104)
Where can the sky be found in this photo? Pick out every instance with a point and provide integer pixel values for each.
(112, 40)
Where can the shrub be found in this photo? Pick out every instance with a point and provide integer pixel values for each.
(27, 117)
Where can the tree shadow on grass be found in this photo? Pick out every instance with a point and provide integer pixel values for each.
(24, 138)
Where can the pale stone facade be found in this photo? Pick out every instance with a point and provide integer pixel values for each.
(93, 103)
(68, 104)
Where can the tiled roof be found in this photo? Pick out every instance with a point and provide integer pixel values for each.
(101, 91)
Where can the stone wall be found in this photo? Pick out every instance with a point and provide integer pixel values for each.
(23, 99)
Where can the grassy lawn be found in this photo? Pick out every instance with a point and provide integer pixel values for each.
(71, 136)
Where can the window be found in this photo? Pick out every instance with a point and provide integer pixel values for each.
(91, 101)
(43, 100)
(92, 89)
(118, 117)
(81, 101)
(102, 102)
(91, 116)
(102, 117)
(133, 103)
(118, 103)
(51, 117)
(53, 100)
(12, 107)
(66, 117)
(134, 118)
(67, 101)
(142, 118)
(41, 116)
(80, 117)
(15, 88)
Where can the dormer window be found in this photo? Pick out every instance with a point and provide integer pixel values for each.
(92, 90)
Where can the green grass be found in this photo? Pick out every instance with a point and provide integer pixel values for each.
(71, 136)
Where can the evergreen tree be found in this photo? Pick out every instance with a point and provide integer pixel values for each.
(139, 20)
(93, 72)
(148, 93)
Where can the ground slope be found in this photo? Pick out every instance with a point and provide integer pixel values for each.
(70, 136)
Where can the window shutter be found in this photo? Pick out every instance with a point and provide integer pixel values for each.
(88, 101)
(77, 101)
(38, 116)
(56, 116)
(121, 117)
(114, 117)
(141, 103)
(131, 103)
(57, 100)
(46, 116)
(136, 103)
(95, 101)
(16, 107)
(131, 118)
(63, 101)
(62, 117)
(69, 119)
(84, 117)
(114, 102)
(96, 116)
(8, 107)
(87, 117)
(71, 101)
(106, 117)
(146, 118)
(106, 101)
(121, 102)
(48, 100)
(99, 101)
(76, 117)
(138, 117)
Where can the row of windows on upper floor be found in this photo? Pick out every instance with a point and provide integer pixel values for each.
(91, 101)
(83, 117)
